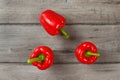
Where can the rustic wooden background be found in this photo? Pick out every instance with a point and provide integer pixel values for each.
(97, 21)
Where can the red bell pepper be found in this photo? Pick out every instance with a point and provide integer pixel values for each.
(87, 53)
(42, 57)
(53, 23)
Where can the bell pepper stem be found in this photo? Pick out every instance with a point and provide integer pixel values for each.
(89, 53)
(64, 33)
(40, 58)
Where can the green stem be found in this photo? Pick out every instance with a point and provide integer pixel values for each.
(40, 58)
(64, 33)
(89, 53)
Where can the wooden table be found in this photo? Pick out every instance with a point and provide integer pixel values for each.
(97, 21)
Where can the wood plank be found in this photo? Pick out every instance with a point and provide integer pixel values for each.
(75, 11)
(17, 42)
(60, 71)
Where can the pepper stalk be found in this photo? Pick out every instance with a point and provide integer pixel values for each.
(40, 58)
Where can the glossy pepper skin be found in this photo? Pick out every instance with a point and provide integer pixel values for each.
(42, 57)
(53, 23)
(86, 53)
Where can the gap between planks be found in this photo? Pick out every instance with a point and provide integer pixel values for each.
(117, 23)
(25, 63)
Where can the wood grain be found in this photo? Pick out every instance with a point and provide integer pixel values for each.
(18, 41)
(75, 11)
(97, 21)
(60, 71)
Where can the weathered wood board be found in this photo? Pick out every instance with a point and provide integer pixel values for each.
(18, 41)
(75, 11)
(60, 72)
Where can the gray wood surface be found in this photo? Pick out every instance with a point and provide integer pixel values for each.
(97, 21)
(18, 41)
(75, 11)
(60, 72)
